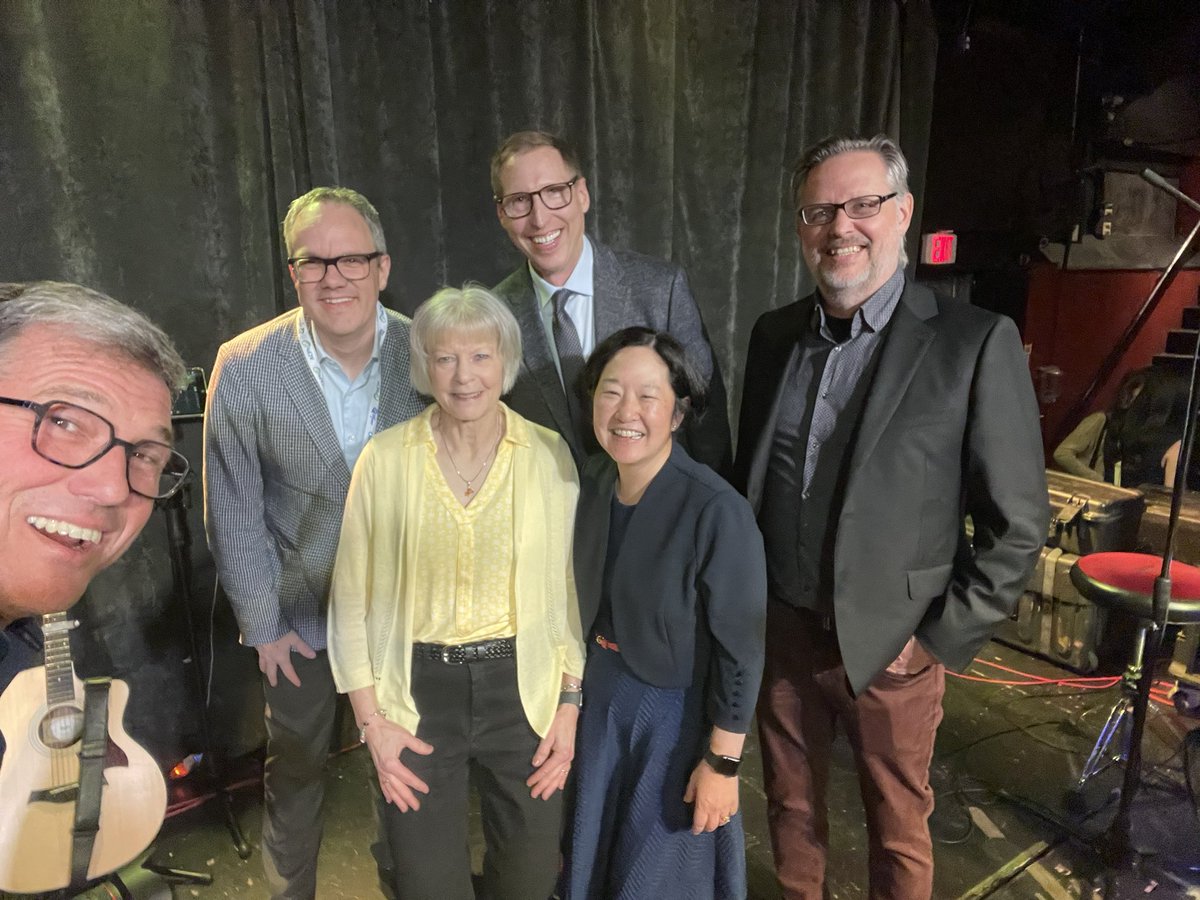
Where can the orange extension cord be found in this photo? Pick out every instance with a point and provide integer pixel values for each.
(1158, 692)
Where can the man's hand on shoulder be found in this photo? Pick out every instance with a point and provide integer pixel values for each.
(276, 656)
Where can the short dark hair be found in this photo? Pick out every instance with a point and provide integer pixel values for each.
(690, 391)
(523, 141)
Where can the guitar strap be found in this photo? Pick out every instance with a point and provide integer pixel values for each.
(92, 751)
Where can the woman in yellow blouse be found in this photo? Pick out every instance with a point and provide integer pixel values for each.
(453, 621)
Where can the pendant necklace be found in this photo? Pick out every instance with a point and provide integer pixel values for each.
(469, 481)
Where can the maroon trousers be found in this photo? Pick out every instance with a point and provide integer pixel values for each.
(891, 727)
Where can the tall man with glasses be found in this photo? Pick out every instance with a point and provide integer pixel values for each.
(876, 416)
(86, 386)
(574, 292)
(291, 404)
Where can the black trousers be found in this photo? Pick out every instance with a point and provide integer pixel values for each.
(472, 715)
(300, 724)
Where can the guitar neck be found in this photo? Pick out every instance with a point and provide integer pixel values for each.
(60, 673)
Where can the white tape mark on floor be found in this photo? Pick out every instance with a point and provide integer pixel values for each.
(1046, 880)
(984, 824)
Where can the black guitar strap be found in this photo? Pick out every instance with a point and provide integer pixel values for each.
(93, 748)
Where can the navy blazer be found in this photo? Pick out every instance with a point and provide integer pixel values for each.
(689, 585)
(950, 428)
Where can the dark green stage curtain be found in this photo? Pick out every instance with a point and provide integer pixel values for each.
(149, 148)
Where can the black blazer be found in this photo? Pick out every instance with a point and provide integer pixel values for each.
(949, 429)
(630, 289)
(689, 587)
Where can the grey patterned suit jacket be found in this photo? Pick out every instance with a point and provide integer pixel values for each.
(275, 480)
(630, 289)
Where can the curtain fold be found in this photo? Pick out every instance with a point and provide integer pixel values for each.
(149, 148)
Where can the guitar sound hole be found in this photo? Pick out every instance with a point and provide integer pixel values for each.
(61, 727)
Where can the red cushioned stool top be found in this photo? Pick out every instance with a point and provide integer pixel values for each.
(1135, 573)
(1125, 581)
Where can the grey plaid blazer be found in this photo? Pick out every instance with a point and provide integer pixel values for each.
(630, 289)
(275, 480)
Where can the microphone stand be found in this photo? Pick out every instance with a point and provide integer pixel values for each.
(1117, 842)
(179, 544)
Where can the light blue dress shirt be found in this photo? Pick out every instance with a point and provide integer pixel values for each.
(350, 402)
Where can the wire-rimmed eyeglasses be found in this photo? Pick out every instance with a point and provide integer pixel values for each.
(520, 204)
(855, 207)
(74, 437)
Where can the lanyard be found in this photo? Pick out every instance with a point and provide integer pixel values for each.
(314, 363)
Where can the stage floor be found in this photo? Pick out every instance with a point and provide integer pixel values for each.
(1003, 827)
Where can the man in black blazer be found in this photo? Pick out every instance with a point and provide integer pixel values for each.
(574, 291)
(876, 417)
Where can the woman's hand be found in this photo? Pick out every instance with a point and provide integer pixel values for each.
(715, 798)
(552, 761)
(386, 740)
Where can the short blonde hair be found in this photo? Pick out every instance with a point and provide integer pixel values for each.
(473, 308)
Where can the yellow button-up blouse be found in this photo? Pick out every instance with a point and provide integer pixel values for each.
(375, 579)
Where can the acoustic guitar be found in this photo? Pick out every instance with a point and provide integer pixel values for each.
(41, 716)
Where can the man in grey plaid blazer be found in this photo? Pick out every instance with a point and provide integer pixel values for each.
(574, 292)
(290, 406)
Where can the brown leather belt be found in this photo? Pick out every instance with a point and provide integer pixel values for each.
(458, 654)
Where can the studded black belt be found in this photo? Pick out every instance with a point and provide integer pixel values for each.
(457, 654)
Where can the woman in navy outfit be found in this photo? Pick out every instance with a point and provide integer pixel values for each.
(672, 589)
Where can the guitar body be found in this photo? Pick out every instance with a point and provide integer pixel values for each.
(37, 778)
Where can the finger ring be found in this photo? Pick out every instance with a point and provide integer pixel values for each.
(724, 820)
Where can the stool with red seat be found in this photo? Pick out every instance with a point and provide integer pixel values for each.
(1132, 583)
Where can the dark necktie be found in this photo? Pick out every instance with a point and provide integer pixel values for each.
(570, 353)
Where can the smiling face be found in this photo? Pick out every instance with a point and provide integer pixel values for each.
(342, 311)
(466, 374)
(551, 239)
(852, 258)
(633, 411)
(59, 527)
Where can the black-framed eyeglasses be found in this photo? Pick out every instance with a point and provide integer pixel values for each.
(855, 207)
(520, 204)
(74, 437)
(353, 266)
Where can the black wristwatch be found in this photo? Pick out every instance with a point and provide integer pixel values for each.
(722, 765)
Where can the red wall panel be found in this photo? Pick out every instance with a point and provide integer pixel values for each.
(1074, 318)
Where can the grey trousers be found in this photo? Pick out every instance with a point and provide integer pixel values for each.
(299, 730)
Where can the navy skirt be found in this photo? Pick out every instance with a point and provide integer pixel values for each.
(629, 833)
